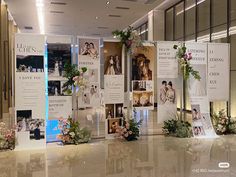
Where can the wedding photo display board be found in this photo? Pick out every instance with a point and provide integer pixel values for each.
(168, 81)
(30, 93)
(142, 77)
(113, 86)
(60, 102)
(201, 120)
(218, 71)
(89, 57)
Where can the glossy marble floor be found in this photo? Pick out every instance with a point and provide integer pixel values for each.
(151, 156)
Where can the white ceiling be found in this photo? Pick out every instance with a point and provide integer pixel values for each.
(78, 17)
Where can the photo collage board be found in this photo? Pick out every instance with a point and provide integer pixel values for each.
(60, 99)
(113, 86)
(30, 91)
(89, 57)
(143, 77)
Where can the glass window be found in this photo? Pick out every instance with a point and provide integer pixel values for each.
(203, 36)
(219, 33)
(219, 12)
(233, 9)
(190, 17)
(203, 15)
(179, 21)
(169, 25)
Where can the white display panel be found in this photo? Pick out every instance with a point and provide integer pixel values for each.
(30, 97)
(218, 71)
(89, 57)
(167, 81)
(201, 121)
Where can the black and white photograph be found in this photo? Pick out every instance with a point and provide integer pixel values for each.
(94, 91)
(113, 65)
(141, 69)
(196, 114)
(113, 124)
(54, 88)
(58, 56)
(143, 99)
(29, 63)
(37, 129)
(86, 97)
(142, 85)
(198, 131)
(118, 110)
(198, 87)
(89, 47)
(92, 75)
(109, 111)
(23, 118)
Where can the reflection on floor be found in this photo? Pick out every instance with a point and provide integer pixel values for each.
(151, 156)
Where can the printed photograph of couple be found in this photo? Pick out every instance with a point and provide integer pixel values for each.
(167, 92)
(113, 124)
(141, 68)
(143, 99)
(142, 85)
(25, 123)
(201, 119)
(113, 111)
(112, 58)
(113, 65)
(89, 47)
(167, 99)
(58, 56)
(29, 63)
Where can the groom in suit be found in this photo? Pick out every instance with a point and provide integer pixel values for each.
(163, 91)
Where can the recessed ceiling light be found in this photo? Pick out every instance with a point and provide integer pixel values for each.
(108, 2)
(96, 17)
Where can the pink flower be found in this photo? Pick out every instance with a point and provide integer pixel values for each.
(190, 56)
(75, 78)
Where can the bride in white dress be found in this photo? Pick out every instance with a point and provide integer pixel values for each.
(170, 104)
(56, 69)
(196, 88)
(110, 69)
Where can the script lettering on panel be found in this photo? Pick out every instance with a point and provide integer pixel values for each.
(113, 86)
(168, 86)
(89, 57)
(201, 121)
(142, 77)
(60, 100)
(218, 71)
(30, 98)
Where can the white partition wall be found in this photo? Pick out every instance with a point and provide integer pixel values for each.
(30, 91)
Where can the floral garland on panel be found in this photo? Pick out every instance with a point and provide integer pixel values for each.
(75, 78)
(184, 61)
(7, 137)
(129, 37)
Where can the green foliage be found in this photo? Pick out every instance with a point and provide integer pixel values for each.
(71, 71)
(177, 128)
(184, 62)
(223, 124)
(71, 133)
